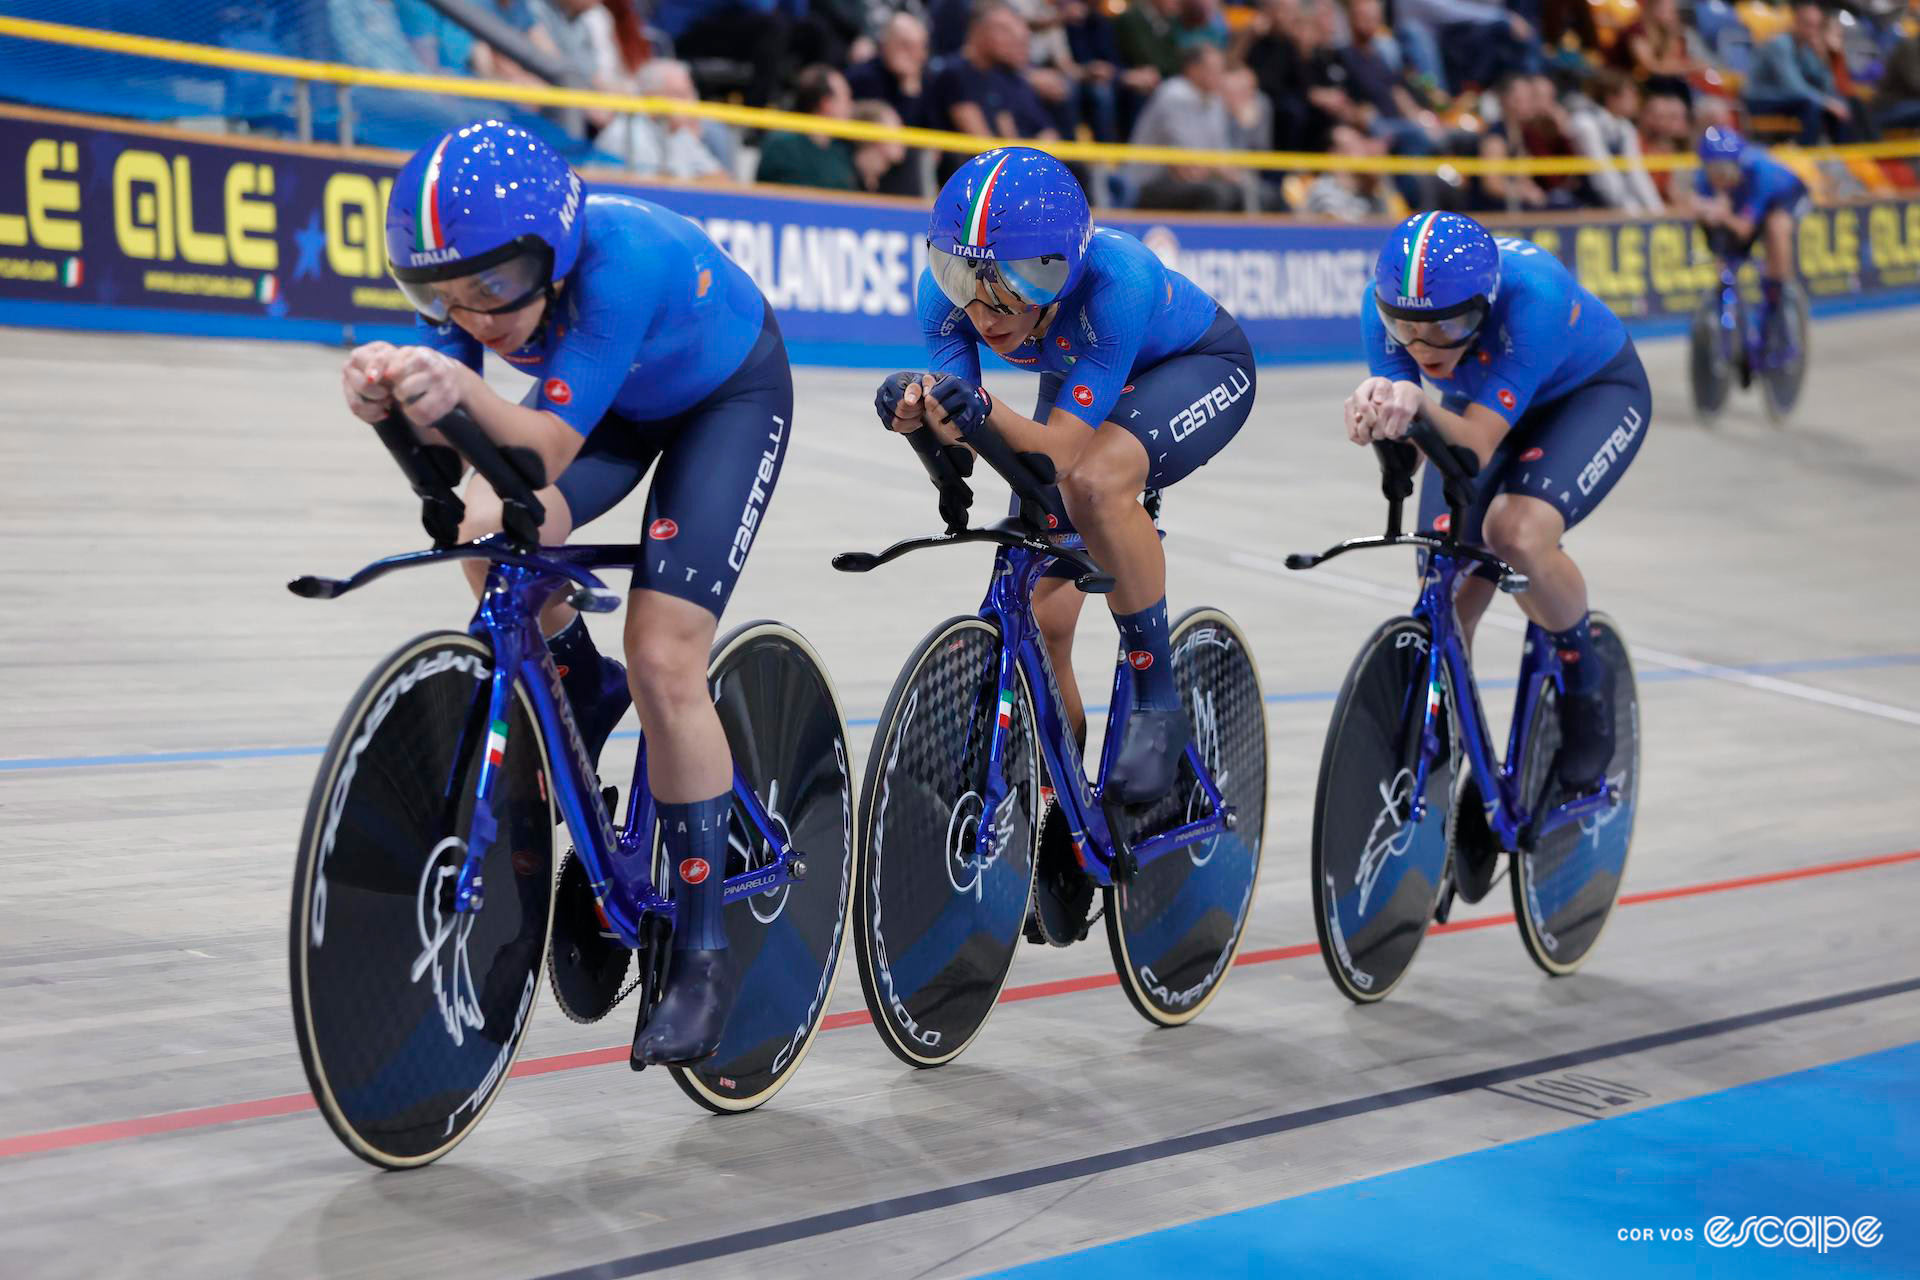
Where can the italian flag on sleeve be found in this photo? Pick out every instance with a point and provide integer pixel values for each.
(497, 743)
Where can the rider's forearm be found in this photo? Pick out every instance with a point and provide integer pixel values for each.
(508, 422)
(1056, 439)
(1482, 434)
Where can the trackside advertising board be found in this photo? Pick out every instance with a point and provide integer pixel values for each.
(111, 227)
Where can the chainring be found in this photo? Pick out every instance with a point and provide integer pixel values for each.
(587, 964)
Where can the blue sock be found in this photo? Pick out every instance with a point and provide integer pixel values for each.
(1144, 636)
(695, 837)
(579, 662)
(1579, 662)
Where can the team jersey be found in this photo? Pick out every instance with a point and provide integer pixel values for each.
(652, 319)
(1128, 313)
(1764, 182)
(1544, 338)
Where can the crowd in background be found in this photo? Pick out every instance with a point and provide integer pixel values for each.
(1429, 78)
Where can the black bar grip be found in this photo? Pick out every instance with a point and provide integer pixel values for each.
(1457, 464)
(515, 472)
(431, 471)
(1029, 475)
(947, 466)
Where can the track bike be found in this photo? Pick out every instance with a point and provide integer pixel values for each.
(1726, 343)
(1412, 809)
(980, 825)
(426, 897)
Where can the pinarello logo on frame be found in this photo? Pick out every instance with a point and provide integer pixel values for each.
(1083, 395)
(558, 391)
(1139, 659)
(662, 529)
(694, 870)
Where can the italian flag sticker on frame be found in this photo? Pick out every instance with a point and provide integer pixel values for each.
(497, 743)
(1006, 708)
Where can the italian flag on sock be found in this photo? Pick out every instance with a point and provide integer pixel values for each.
(497, 743)
(1006, 708)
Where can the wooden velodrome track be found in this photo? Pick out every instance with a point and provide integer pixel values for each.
(165, 699)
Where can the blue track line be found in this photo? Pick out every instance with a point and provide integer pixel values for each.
(24, 764)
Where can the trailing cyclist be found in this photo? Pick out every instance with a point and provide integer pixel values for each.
(1750, 197)
(1144, 378)
(1541, 381)
(645, 343)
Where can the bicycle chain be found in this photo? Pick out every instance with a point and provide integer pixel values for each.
(633, 984)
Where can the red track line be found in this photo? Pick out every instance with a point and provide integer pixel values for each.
(87, 1135)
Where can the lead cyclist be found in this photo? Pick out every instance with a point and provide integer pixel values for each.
(646, 344)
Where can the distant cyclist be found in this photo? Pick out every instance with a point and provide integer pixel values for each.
(1540, 380)
(1143, 379)
(1752, 197)
(645, 343)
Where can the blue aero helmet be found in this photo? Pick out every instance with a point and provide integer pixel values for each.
(1015, 220)
(483, 220)
(1723, 153)
(1436, 280)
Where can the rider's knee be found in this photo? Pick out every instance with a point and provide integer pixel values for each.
(666, 660)
(1102, 477)
(1520, 531)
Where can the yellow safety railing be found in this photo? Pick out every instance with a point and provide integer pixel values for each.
(854, 130)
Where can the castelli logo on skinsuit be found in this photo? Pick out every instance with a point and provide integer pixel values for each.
(1083, 395)
(1533, 455)
(1506, 399)
(662, 529)
(1443, 522)
(558, 391)
(1127, 390)
(1139, 659)
(1063, 344)
(694, 870)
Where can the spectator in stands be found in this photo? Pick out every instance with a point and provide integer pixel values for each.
(1518, 113)
(1603, 129)
(1791, 77)
(1654, 50)
(812, 160)
(769, 36)
(441, 43)
(897, 74)
(1665, 130)
(1188, 111)
(1479, 41)
(1378, 94)
(1897, 104)
(1096, 59)
(883, 168)
(1350, 196)
(984, 91)
(1050, 69)
(1267, 46)
(1157, 33)
(669, 146)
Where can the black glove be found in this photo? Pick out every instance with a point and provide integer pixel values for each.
(886, 401)
(966, 406)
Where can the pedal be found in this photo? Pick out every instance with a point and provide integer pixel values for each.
(1125, 866)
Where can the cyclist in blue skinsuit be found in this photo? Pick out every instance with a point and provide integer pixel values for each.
(1540, 380)
(1752, 196)
(1143, 379)
(645, 342)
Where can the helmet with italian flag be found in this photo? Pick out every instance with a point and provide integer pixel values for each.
(490, 207)
(1015, 221)
(1436, 279)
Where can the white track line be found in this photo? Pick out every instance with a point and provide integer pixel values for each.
(1676, 661)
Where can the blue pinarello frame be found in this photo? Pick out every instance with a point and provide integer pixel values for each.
(1101, 852)
(1730, 324)
(618, 864)
(1507, 811)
